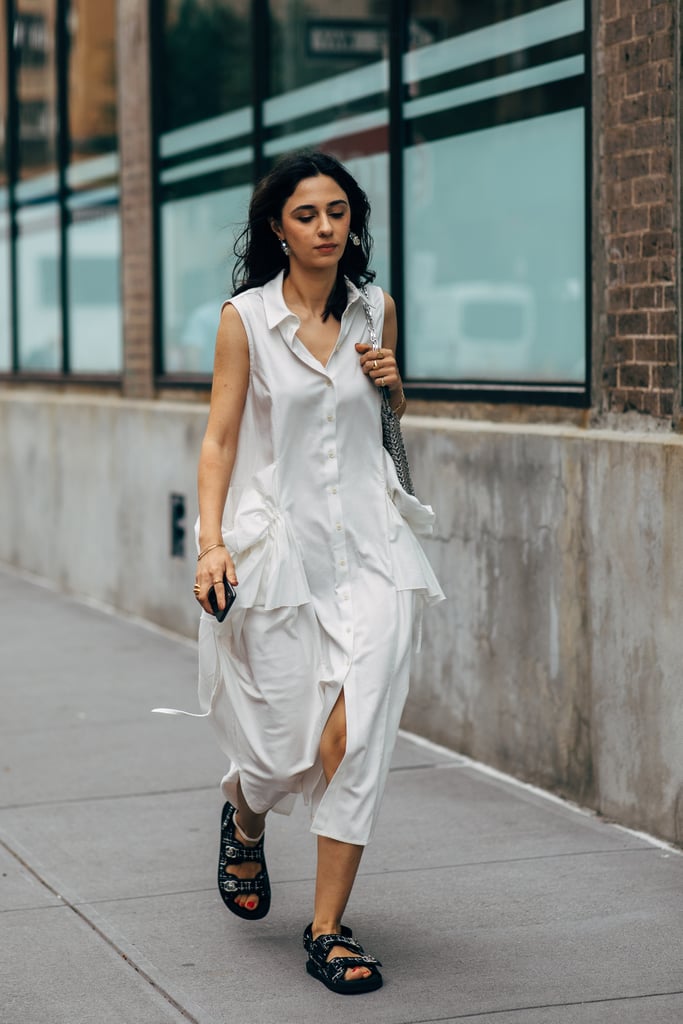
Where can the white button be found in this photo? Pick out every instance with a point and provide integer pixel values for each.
(330, 419)
(343, 561)
(329, 383)
(333, 490)
(330, 455)
(339, 527)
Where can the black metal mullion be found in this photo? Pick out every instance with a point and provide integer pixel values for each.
(397, 44)
(12, 142)
(62, 70)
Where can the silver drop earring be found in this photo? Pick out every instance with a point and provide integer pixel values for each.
(354, 238)
(284, 247)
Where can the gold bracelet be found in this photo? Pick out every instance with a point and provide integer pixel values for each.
(218, 544)
(402, 401)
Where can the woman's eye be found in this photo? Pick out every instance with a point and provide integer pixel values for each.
(337, 216)
(305, 220)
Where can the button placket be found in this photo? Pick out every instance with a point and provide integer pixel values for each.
(336, 515)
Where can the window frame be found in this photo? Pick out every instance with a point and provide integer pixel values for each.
(64, 374)
(547, 393)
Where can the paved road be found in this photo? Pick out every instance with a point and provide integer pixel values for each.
(487, 902)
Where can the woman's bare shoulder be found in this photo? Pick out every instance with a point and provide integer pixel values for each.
(231, 327)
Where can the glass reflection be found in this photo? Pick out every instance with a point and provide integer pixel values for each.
(40, 329)
(495, 192)
(328, 89)
(317, 41)
(92, 78)
(207, 60)
(193, 289)
(207, 160)
(93, 245)
(35, 47)
(5, 294)
(95, 324)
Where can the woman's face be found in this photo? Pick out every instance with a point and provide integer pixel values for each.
(315, 222)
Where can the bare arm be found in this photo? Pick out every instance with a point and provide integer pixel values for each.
(219, 448)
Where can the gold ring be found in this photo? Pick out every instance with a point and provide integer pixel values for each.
(381, 382)
(216, 581)
(374, 364)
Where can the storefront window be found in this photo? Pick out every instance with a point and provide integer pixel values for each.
(38, 221)
(5, 236)
(206, 153)
(93, 244)
(5, 290)
(329, 89)
(38, 256)
(495, 193)
(36, 54)
(206, 61)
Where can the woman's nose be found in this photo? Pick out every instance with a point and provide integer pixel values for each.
(325, 226)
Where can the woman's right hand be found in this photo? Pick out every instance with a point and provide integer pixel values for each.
(210, 570)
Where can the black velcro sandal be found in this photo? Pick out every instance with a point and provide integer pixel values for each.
(232, 851)
(331, 972)
(308, 935)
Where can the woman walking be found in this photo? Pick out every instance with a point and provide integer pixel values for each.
(301, 509)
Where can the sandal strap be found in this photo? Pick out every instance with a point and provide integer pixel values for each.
(337, 967)
(324, 943)
(249, 839)
(234, 850)
(321, 947)
(237, 853)
(308, 935)
(240, 886)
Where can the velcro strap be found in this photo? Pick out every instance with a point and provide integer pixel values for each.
(324, 943)
(339, 965)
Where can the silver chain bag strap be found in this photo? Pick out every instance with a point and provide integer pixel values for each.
(392, 438)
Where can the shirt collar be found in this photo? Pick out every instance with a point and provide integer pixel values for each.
(276, 309)
(274, 303)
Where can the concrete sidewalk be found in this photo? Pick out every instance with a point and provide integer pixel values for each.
(486, 901)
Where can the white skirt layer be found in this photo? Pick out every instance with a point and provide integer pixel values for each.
(263, 685)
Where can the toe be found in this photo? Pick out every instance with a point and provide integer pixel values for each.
(247, 901)
(357, 973)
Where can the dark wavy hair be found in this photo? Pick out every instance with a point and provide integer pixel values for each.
(258, 251)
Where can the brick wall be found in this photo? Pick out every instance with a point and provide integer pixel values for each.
(638, 196)
(137, 225)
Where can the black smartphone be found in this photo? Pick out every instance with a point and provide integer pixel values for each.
(229, 599)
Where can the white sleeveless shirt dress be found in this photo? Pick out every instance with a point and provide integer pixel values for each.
(332, 578)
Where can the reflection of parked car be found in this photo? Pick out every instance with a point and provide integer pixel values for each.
(477, 329)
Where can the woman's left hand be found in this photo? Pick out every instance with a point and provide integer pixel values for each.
(380, 365)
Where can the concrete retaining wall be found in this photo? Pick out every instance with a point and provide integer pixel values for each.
(558, 656)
